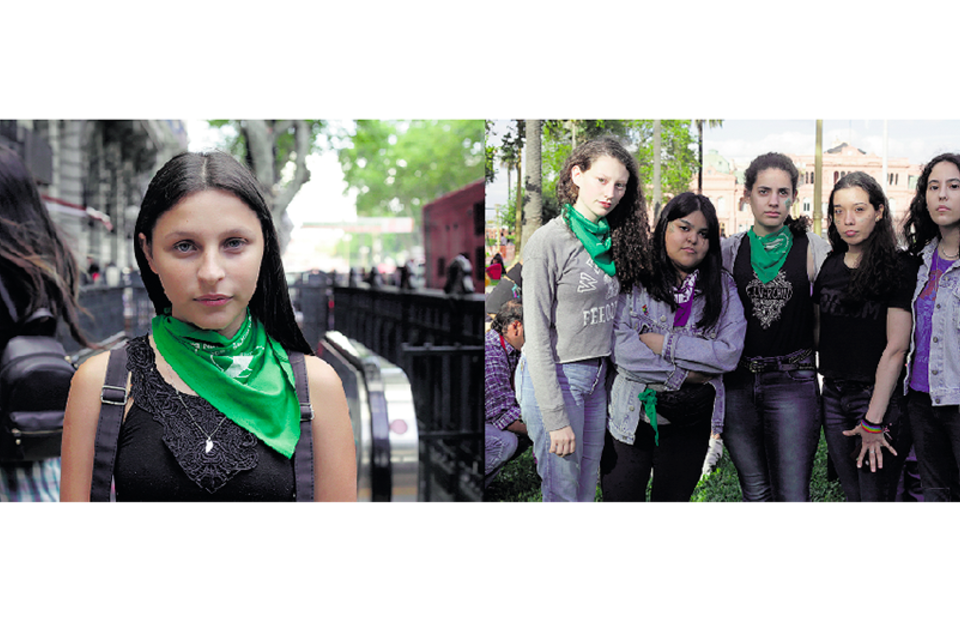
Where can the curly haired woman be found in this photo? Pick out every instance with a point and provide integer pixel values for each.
(932, 229)
(572, 271)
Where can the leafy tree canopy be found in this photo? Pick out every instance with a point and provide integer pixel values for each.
(396, 167)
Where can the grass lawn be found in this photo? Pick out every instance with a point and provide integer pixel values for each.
(519, 482)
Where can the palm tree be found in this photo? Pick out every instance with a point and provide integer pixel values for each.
(711, 124)
(533, 200)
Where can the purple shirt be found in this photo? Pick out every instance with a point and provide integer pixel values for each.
(920, 380)
(500, 362)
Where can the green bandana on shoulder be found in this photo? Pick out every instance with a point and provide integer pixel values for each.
(595, 238)
(248, 377)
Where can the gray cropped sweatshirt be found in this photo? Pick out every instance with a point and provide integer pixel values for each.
(568, 310)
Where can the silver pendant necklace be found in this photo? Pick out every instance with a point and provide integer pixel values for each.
(208, 447)
(209, 436)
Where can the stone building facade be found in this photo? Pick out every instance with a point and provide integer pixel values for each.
(92, 175)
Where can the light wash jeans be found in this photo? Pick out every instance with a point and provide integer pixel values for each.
(499, 447)
(574, 478)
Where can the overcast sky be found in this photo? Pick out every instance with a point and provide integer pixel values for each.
(916, 140)
(742, 140)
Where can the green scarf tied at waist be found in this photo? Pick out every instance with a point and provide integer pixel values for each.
(767, 254)
(248, 378)
(595, 238)
(649, 399)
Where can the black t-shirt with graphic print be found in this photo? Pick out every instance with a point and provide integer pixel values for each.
(779, 313)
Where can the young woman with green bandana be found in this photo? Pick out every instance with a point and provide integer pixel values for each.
(212, 410)
(571, 270)
(772, 416)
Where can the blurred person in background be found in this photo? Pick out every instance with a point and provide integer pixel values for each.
(38, 270)
(503, 428)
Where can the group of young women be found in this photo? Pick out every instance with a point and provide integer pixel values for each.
(639, 348)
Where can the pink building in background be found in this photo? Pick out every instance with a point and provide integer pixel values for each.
(723, 184)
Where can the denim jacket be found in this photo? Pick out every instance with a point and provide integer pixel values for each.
(945, 343)
(686, 348)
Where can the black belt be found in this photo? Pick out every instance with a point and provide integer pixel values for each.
(801, 360)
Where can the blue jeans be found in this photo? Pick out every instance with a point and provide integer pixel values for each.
(844, 404)
(499, 447)
(573, 478)
(771, 429)
(936, 433)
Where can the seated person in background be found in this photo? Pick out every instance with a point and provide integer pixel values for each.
(502, 423)
(509, 288)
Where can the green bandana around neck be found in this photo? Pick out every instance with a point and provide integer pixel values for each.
(248, 378)
(767, 254)
(595, 238)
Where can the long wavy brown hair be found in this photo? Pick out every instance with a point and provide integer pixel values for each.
(33, 251)
(629, 225)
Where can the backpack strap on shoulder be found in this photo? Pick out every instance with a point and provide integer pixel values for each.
(113, 399)
(303, 454)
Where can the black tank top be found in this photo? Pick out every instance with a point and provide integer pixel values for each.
(161, 453)
(780, 313)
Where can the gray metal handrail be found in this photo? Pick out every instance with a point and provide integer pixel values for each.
(383, 419)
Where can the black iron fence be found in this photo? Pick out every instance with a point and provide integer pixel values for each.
(111, 314)
(438, 341)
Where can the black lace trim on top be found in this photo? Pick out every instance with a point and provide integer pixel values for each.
(234, 449)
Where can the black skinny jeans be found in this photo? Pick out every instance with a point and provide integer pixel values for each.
(936, 434)
(676, 463)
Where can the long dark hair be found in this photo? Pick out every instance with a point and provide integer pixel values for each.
(662, 282)
(878, 272)
(189, 173)
(918, 227)
(32, 249)
(629, 226)
(774, 160)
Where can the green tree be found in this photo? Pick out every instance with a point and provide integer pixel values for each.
(678, 161)
(506, 151)
(396, 167)
(276, 151)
